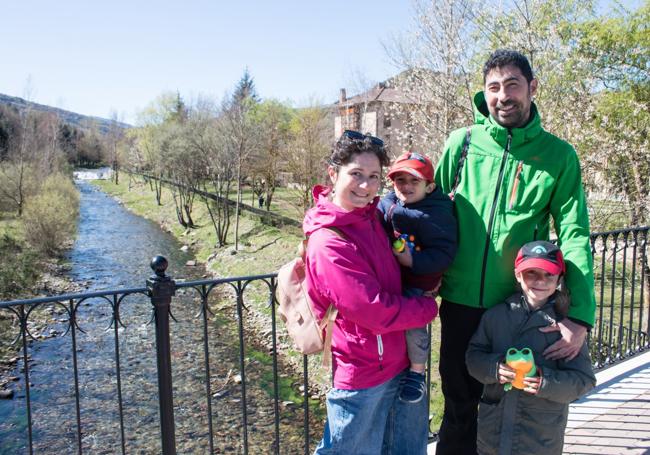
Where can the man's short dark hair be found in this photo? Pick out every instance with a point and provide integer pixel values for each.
(505, 57)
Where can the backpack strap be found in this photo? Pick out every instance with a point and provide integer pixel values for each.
(461, 162)
(328, 324)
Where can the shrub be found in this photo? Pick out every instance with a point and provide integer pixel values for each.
(18, 182)
(50, 217)
(20, 272)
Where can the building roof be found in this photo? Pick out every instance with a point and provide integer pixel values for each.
(390, 91)
(379, 92)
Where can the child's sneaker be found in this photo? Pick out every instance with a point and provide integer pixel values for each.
(412, 387)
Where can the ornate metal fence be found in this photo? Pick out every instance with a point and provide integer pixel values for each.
(231, 392)
(279, 412)
(621, 273)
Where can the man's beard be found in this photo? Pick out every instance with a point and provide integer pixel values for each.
(515, 118)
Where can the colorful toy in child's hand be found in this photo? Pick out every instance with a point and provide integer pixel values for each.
(524, 365)
(404, 241)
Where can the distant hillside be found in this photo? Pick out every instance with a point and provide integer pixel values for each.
(72, 118)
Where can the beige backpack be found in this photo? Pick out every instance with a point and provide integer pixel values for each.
(296, 309)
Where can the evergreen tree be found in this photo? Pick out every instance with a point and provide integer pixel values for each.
(245, 89)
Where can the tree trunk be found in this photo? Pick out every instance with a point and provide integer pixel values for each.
(645, 279)
(238, 200)
(158, 186)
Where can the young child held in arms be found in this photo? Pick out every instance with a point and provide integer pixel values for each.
(422, 216)
(527, 416)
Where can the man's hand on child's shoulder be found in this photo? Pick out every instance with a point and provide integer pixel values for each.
(567, 347)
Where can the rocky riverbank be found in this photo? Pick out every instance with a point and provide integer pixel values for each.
(52, 281)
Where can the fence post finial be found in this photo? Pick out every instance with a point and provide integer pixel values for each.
(161, 289)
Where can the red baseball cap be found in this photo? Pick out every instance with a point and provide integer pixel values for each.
(413, 163)
(540, 255)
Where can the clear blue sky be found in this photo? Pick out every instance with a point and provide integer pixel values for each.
(96, 57)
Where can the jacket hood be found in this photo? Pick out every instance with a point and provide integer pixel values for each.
(499, 133)
(327, 214)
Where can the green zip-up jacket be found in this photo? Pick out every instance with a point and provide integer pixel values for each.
(511, 184)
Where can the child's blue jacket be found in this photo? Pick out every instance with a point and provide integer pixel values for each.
(432, 223)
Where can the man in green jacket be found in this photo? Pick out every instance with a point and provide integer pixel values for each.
(512, 179)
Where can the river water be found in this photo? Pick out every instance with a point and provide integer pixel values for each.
(113, 250)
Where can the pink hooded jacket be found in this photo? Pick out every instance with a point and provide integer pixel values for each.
(361, 277)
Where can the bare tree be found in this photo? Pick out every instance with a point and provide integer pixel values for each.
(207, 134)
(241, 133)
(113, 137)
(437, 63)
(51, 156)
(308, 151)
(182, 169)
(30, 153)
(273, 122)
(18, 172)
(150, 138)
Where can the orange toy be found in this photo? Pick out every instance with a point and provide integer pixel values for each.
(523, 363)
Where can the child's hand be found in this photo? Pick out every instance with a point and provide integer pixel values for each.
(532, 384)
(505, 373)
(404, 257)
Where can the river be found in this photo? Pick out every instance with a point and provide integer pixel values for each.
(112, 250)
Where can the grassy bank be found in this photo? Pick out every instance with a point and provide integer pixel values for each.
(24, 273)
(262, 249)
(18, 272)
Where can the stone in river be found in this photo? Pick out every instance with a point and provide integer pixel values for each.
(6, 394)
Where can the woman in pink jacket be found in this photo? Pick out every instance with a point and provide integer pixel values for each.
(358, 273)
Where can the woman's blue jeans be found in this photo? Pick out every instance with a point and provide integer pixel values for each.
(374, 421)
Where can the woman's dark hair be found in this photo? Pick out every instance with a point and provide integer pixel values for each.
(352, 143)
(505, 57)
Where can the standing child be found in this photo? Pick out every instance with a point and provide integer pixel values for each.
(419, 213)
(532, 419)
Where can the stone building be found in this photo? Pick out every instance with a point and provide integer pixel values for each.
(382, 111)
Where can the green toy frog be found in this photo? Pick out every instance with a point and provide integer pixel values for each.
(523, 363)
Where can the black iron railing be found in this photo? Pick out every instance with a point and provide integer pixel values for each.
(213, 350)
(621, 273)
(292, 424)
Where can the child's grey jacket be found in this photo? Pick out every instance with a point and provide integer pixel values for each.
(517, 422)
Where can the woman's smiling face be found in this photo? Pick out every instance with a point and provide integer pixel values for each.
(356, 183)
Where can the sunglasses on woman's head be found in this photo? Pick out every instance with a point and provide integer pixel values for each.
(357, 136)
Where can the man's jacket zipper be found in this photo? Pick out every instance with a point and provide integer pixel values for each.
(506, 151)
(515, 185)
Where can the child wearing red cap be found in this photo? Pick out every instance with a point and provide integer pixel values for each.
(532, 419)
(418, 212)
